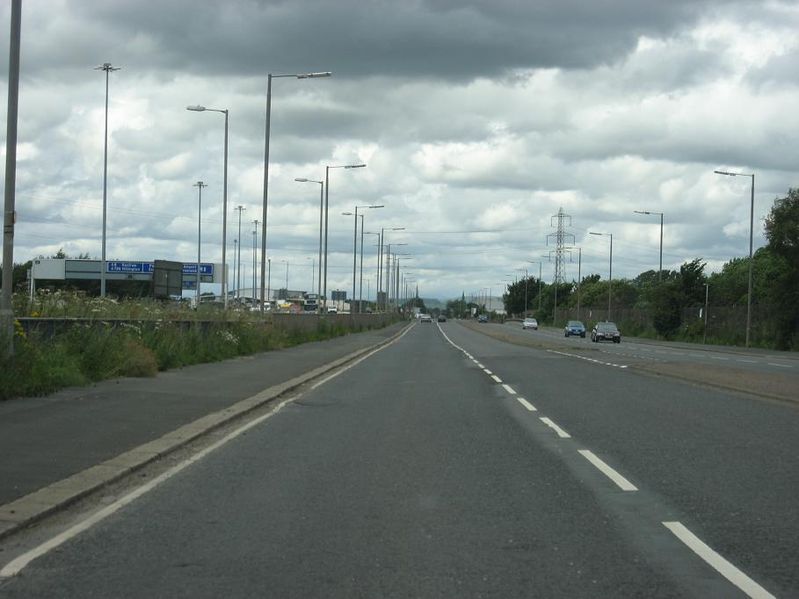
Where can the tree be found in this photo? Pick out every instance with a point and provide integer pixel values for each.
(782, 232)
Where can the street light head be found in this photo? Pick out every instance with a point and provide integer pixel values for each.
(592, 233)
(397, 229)
(346, 214)
(314, 75)
(355, 166)
(376, 206)
(725, 173)
(642, 212)
(196, 108)
(301, 180)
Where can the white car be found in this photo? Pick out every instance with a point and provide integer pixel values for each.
(530, 323)
(425, 318)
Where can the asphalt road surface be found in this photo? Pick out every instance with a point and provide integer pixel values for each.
(451, 464)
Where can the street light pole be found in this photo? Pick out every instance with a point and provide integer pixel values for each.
(255, 261)
(199, 185)
(380, 281)
(108, 69)
(751, 229)
(327, 209)
(224, 198)
(321, 222)
(610, 273)
(240, 209)
(12, 115)
(660, 269)
(267, 130)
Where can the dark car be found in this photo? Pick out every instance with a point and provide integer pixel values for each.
(482, 318)
(574, 327)
(442, 318)
(606, 331)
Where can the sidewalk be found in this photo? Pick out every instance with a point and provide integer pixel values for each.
(45, 440)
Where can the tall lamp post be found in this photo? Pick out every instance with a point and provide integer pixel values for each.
(355, 245)
(610, 272)
(321, 222)
(377, 245)
(254, 260)
(380, 281)
(224, 111)
(327, 206)
(267, 130)
(751, 228)
(660, 270)
(106, 66)
(240, 209)
(199, 185)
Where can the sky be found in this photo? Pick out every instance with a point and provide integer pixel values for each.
(477, 120)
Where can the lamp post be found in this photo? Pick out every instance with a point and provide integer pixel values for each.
(377, 245)
(286, 262)
(267, 130)
(108, 69)
(12, 117)
(199, 185)
(327, 207)
(751, 228)
(660, 270)
(539, 280)
(610, 272)
(707, 297)
(321, 217)
(240, 209)
(380, 281)
(355, 245)
(224, 111)
(254, 260)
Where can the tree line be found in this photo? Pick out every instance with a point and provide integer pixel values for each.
(671, 304)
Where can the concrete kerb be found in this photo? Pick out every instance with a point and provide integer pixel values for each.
(31, 508)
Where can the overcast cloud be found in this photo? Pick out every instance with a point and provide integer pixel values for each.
(478, 121)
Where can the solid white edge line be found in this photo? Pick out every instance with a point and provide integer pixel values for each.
(623, 483)
(560, 432)
(526, 404)
(717, 562)
(15, 566)
(509, 389)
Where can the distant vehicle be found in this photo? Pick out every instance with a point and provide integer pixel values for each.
(332, 310)
(482, 318)
(574, 327)
(606, 331)
(530, 323)
(426, 318)
(442, 318)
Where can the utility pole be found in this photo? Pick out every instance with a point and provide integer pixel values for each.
(255, 259)
(199, 185)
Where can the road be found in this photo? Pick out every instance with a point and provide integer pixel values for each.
(453, 464)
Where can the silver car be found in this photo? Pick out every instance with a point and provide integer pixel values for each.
(530, 323)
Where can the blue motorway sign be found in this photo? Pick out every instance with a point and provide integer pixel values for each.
(130, 267)
(191, 269)
(144, 268)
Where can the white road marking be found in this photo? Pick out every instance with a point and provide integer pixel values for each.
(717, 562)
(747, 361)
(780, 365)
(487, 371)
(15, 566)
(526, 404)
(561, 353)
(561, 433)
(718, 358)
(479, 364)
(496, 378)
(509, 389)
(623, 483)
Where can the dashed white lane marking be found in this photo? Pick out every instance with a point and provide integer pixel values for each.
(718, 358)
(746, 361)
(526, 404)
(561, 353)
(487, 371)
(496, 378)
(717, 562)
(479, 364)
(509, 389)
(561, 433)
(623, 483)
(780, 365)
